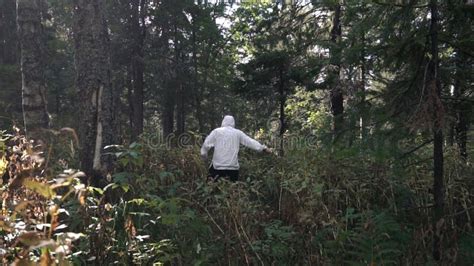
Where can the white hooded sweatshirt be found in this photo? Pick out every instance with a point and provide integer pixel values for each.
(226, 141)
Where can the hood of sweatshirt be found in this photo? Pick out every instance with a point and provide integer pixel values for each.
(228, 121)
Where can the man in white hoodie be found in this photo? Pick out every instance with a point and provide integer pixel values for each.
(226, 142)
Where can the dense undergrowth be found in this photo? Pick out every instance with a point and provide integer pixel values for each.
(317, 205)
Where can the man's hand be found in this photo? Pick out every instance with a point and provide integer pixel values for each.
(268, 150)
(204, 157)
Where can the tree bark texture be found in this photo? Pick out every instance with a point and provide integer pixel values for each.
(463, 108)
(282, 100)
(95, 96)
(35, 114)
(336, 96)
(8, 34)
(167, 114)
(438, 157)
(138, 13)
(180, 88)
(363, 81)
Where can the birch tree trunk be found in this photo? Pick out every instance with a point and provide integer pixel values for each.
(35, 115)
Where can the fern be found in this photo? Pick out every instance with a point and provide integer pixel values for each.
(378, 239)
(369, 239)
(278, 242)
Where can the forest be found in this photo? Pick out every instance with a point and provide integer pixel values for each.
(364, 109)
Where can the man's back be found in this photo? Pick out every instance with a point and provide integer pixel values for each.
(226, 148)
(226, 141)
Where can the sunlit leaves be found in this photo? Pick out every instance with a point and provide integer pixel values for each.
(3, 165)
(41, 188)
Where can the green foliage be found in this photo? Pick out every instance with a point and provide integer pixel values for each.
(299, 209)
(278, 243)
(370, 239)
(33, 224)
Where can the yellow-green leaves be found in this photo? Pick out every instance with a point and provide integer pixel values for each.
(43, 189)
(3, 165)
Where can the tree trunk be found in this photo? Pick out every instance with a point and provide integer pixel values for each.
(35, 112)
(438, 157)
(167, 114)
(363, 79)
(8, 35)
(180, 94)
(337, 100)
(180, 109)
(168, 108)
(197, 88)
(3, 33)
(131, 106)
(282, 99)
(137, 66)
(168, 118)
(463, 108)
(462, 128)
(96, 101)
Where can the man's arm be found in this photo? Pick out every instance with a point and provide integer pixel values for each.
(251, 143)
(207, 145)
